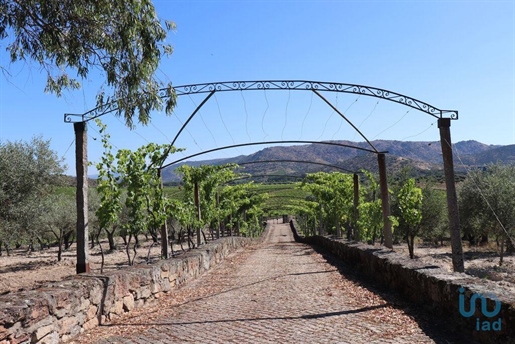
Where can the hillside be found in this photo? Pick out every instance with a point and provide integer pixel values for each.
(422, 157)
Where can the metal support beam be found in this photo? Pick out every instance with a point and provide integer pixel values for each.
(335, 109)
(444, 124)
(81, 168)
(385, 200)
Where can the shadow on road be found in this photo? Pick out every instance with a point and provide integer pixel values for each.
(432, 325)
(306, 316)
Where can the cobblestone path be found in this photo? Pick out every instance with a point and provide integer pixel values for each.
(275, 292)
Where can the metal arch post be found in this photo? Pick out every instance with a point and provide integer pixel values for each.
(385, 202)
(81, 169)
(444, 125)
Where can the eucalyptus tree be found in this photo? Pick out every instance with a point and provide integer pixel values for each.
(123, 41)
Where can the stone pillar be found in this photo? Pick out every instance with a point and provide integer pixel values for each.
(81, 168)
(444, 125)
(385, 201)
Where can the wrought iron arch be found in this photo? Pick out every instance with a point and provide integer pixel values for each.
(270, 142)
(297, 161)
(444, 119)
(297, 85)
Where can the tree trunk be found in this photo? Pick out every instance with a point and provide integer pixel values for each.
(60, 245)
(101, 252)
(510, 248)
(338, 225)
(181, 238)
(127, 249)
(153, 234)
(501, 256)
(110, 239)
(68, 239)
(41, 244)
(411, 244)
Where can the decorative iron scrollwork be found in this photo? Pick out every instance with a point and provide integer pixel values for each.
(68, 118)
(286, 85)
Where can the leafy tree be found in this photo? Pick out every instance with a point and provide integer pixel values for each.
(145, 200)
(208, 178)
(306, 212)
(370, 219)
(60, 219)
(145, 203)
(241, 205)
(108, 188)
(410, 205)
(434, 226)
(487, 205)
(334, 193)
(29, 172)
(122, 40)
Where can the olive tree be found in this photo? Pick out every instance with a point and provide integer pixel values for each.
(434, 226)
(487, 205)
(29, 172)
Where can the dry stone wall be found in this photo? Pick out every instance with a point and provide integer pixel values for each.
(435, 288)
(60, 311)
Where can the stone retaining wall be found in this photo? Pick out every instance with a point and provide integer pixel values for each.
(433, 287)
(59, 311)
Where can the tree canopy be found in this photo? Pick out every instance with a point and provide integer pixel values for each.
(123, 40)
(28, 173)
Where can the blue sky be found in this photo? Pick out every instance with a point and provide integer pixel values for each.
(457, 55)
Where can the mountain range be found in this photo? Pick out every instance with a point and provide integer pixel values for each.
(423, 157)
